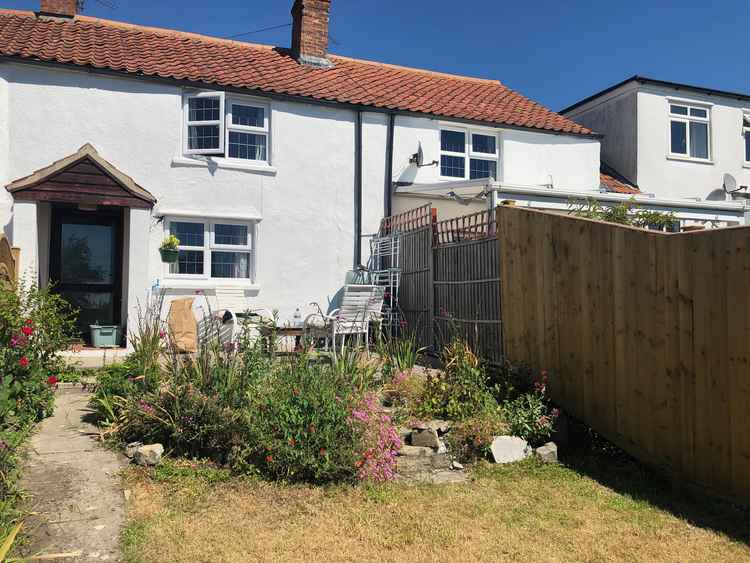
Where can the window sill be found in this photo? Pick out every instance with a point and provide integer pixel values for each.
(746, 165)
(225, 163)
(208, 284)
(689, 159)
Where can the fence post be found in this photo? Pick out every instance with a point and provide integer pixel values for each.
(431, 279)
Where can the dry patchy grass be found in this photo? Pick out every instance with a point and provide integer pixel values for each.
(602, 510)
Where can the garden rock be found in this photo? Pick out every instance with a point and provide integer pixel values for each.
(415, 451)
(131, 448)
(148, 455)
(547, 453)
(456, 466)
(427, 438)
(440, 426)
(509, 449)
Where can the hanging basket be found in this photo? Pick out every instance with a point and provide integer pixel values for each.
(169, 255)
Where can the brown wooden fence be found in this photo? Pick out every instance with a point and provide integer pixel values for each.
(647, 335)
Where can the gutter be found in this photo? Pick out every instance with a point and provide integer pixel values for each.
(388, 182)
(357, 189)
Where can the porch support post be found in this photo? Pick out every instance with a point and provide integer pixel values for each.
(26, 237)
(138, 271)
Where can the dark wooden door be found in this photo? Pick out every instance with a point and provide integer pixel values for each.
(86, 263)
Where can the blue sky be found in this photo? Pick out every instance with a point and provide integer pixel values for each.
(556, 52)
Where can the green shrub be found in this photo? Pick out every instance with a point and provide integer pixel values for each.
(530, 415)
(34, 326)
(470, 439)
(185, 420)
(299, 425)
(461, 390)
(398, 354)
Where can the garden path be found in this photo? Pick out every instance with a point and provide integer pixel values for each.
(76, 503)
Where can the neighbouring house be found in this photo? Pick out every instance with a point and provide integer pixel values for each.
(272, 165)
(675, 141)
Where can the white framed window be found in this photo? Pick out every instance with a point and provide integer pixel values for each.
(231, 126)
(689, 131)
(204, 123)
(216, 248)
(468, 154)
(746, 136)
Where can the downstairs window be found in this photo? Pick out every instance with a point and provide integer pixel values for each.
(213, 249)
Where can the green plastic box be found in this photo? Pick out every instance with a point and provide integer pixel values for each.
(105, 336)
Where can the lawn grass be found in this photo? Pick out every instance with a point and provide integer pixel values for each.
(601, 509)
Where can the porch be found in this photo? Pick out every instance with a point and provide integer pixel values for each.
(82, 226)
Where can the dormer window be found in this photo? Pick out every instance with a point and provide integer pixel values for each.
(234, 127)
(689, 128)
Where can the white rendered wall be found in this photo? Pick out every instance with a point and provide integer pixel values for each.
(615, 115)
(675, 178)
(526, 157)
(6, 202)
(305, 239)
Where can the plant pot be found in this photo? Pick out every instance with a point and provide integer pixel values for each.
(169, 255)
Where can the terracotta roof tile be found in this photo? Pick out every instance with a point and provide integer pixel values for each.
(105, 44)
(616, 185)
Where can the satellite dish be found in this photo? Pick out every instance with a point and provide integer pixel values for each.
(418, 158)
(730, 184)
(420, 155)
(717, 195)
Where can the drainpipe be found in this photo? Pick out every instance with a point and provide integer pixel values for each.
(358, 188)
(388, 188)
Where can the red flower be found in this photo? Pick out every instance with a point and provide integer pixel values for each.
(269, 459)
(27, 330)
(23, 362)
(29, 322)
(52, 380)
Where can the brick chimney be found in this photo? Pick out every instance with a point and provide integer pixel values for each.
(59, 8)
(310, 32)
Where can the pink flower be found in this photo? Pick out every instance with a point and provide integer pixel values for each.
(18, 341)
(162, 334)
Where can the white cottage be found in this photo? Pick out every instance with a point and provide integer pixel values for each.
(270, 164)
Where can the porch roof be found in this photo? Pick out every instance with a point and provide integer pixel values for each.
(83, 177)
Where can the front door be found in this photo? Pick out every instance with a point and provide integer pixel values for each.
(86, 263)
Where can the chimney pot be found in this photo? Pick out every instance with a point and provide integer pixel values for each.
(310, 32)
(59, 8)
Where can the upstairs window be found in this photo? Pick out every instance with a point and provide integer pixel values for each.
(213, 249)
(746, 136)
(229, 126)
(467, 154)
(689, 131)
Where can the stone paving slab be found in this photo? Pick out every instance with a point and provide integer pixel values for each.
(76, 503)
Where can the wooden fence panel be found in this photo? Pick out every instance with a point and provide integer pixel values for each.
(646, 335)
